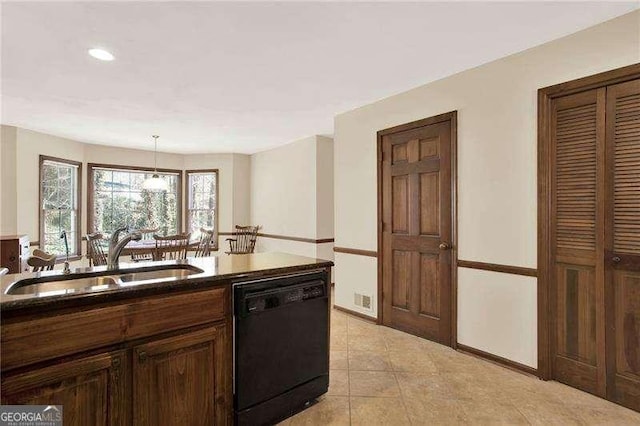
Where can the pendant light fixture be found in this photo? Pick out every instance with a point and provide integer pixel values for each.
(155, 183)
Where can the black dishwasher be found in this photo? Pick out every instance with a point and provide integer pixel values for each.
(281, 346)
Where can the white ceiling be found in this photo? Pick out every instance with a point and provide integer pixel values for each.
(244, 77)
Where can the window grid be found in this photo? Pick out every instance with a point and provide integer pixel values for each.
(120, 200)
(59, 204)
(202, 202)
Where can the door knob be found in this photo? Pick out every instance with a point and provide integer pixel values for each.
(444, 246)
(616, 259)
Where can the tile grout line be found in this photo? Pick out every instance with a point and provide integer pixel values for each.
(391, 370)
(404, 405)
(394, 372)
(444, 369)
(524, 416)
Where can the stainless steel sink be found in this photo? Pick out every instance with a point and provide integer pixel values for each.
(155, 275)
(51, 288)
(105, 280)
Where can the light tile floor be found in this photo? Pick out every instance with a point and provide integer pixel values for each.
(380, 376)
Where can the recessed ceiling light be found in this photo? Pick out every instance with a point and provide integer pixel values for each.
(103, 55)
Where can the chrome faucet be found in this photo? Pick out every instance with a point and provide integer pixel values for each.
(67, 270)
(116, 245)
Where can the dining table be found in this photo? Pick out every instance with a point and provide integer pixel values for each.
(142, 247)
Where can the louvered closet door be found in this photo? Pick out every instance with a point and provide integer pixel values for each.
(577, 309)
(622, 255)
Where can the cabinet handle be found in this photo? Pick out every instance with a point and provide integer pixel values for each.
(115, 363)
(142, 356)
(616, 259)
(444, 246)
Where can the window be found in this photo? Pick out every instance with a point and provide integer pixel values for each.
(117, 199)
(59, 198)
(202, 202)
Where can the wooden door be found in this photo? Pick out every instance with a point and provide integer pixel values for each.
(92, 390)
(182, 380)
(577, 274)
(416, 227)
(622, 255)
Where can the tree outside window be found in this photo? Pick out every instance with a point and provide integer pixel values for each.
(59, 194)
(119, 200)
(202, 202)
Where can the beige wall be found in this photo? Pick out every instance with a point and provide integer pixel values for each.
(283, 182)
(324, 188)
(241, 190)
(292, 195)
(496, 106)
(8, 201)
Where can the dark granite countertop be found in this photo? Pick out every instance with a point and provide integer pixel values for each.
(217, 270)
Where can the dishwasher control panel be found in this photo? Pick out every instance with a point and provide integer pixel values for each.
(259, 296)
(270, 299)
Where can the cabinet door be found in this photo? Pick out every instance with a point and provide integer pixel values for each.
(92, 390)
(183, 380)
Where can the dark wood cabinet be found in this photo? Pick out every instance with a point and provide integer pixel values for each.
(157, 360)
(14, 252)
(92, 389)
(186, 375)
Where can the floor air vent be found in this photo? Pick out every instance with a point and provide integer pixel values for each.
(362, 300)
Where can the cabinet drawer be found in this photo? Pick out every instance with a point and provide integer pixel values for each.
(154, 316)
(27, 342)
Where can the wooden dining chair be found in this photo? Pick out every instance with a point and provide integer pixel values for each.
(204, 246)
(171, 247)
(244, 240)
(41, 261)
(141, 256)
(95, 252)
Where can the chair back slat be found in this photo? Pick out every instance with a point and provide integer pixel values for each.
(204, 246)
(41, 261)
(95, 252)
(172, 247)
(244, 240)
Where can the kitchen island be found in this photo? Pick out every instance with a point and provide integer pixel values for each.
(132, 346)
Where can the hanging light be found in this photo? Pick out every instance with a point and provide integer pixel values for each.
(155, 183)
